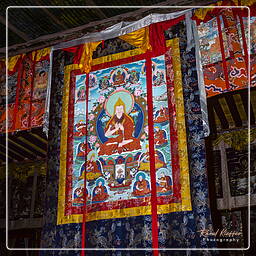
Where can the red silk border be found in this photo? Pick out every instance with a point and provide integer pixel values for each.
(173, 131)
(152, 155)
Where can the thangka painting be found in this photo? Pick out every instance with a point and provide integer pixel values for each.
(112, 164)
(224, 59)
(27, 89)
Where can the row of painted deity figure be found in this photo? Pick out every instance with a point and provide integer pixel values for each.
(141, 188)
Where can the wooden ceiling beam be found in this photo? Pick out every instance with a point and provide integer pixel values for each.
(99, 12)
(212, 122)
(50, 14)
(233, 109)
(14, 29)
(219, 111)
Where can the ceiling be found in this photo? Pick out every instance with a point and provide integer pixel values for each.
(35, 28)
(231, 110)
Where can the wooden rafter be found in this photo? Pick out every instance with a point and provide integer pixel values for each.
(99, 12)
(14, 29)
(50, 14)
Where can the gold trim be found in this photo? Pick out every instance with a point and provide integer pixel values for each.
(181, 126)
(138, 38)
(117, 56)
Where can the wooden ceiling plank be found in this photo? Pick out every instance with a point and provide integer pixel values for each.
(14, 29)
(3, 153)
(253, 102)
(32, 145)
(217, 120)
(50, 14)
(24, 154)
(233, 110)
(39, 138)
(244, 96)
(240, 108)
(227, 112)
(99, 12)
(35, 141)
(15, 152)
(14, 156)
(21, 147)
(3, 158)
(221, 114)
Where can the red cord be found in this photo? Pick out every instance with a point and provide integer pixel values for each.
(152, 156)
(224, 63)
(85, 196)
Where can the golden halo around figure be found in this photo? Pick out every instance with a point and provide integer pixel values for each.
(126, 97)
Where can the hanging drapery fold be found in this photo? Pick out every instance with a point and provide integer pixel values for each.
(85, 61)
(138, 38)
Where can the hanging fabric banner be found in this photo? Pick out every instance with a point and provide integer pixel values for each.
(118, 182)
(138, 179)
(223, 43)
(27, 87)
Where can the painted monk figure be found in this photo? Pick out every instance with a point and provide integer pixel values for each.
(119, 131)
(100, 192)
(162, 115)
(144, 161)
(164, 184)
(80, 129)
(79, 195)
(92, 165)
(159, 136)
(141, 187)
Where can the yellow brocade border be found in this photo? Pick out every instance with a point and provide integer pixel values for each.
(117, 56)
(39, 54)
(85, 62)
(138, 38)
(184, 205)
(12, 61)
